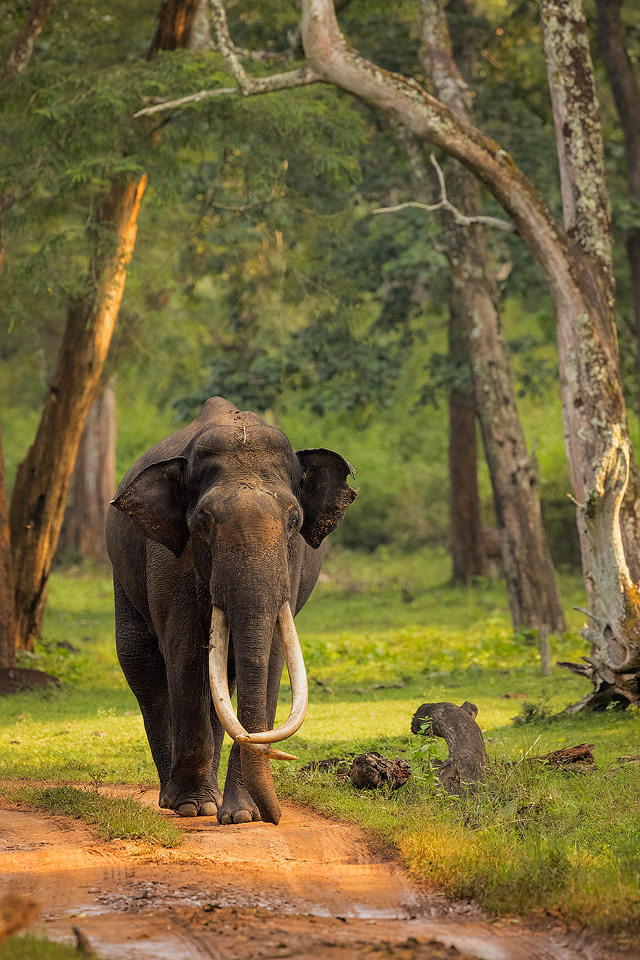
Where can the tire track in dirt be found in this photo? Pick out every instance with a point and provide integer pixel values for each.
(311, 887)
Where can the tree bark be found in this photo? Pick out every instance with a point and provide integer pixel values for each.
(43, 478)
(27, 36)
(93, 482)
(467, 552)
(626, 93)
(533, 595)
(176, 19)
(576, 266)
(7, 588)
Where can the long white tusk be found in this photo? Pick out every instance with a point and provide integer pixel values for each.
(298, 676)
(218, 678)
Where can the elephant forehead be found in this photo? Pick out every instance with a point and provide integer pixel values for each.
(250, 529)
(246, 434)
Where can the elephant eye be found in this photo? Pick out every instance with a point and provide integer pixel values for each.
(201, 522)
(294, 520)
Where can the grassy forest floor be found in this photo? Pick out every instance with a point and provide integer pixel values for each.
(382, 634)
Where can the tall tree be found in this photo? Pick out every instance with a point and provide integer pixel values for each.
(577, 262)
(43, 477)
(578, 266)
(533, 595)
(626, 93)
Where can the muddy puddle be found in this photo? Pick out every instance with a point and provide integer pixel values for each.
(310, 887)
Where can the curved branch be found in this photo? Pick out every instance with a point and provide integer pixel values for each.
(445, 204)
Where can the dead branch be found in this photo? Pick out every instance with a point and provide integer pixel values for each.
(445, 204)
(370, 771)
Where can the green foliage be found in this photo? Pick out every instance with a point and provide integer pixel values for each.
(30, 947)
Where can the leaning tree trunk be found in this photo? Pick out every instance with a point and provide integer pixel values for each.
(93, 482)
(533, 595)
(626, 93)
(575, 262)
(7, 589)
(43, 478)
(42, 484)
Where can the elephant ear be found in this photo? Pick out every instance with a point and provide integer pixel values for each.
(324, 493)
(156, 501)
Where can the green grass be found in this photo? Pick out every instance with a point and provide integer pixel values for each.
(36, 948)
(385, 633)
(114, 818)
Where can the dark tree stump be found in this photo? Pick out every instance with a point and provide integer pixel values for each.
(372, 770)
(19, 678)
(458, 728)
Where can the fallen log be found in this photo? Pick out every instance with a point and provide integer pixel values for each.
(370, 771)
(458, 728)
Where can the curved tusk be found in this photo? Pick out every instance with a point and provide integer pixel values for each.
(299, 689)
(218, 654)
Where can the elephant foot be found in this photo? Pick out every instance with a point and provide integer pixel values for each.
(196, 803)
(237, 806)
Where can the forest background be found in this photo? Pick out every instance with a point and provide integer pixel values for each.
(261, 272)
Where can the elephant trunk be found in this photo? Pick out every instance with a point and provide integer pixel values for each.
(252, 647)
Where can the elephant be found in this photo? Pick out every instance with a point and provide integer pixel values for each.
(216, 536)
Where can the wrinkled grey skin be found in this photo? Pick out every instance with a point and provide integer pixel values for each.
(222, 512)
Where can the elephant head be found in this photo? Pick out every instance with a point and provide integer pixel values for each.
(235, 503)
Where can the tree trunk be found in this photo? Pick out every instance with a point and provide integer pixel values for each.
(175, 25)
(43, 478)
(467, 551)
(468, 556)
(27, 35)
(7, 589)
(533, 595)
(626, 93)
(93, 482)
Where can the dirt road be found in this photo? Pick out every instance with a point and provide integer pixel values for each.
(310, 887)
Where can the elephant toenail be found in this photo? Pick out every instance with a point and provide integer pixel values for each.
(242, 816)
(187, 810)
(207, 809)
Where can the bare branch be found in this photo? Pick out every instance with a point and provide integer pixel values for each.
(191, 98)
(252, 85)
(247, 86)
(445, 204)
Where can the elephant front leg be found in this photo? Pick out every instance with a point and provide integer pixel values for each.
(192, 789)
(237, 805)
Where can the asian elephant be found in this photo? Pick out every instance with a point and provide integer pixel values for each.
(215, 536)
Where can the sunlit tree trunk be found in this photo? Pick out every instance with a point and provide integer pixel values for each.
(93, 482)
(576, 261)
(43, 477)
(7, 589)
